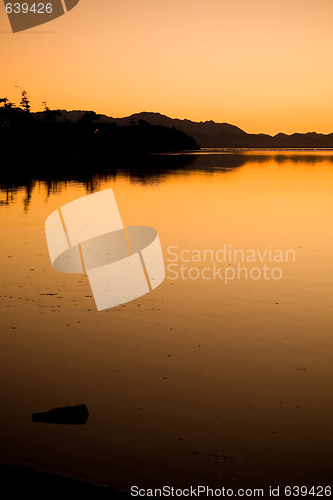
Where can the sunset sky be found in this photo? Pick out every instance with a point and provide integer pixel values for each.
(263, 65)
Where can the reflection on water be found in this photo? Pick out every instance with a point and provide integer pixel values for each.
(145, 169)
(199, 381)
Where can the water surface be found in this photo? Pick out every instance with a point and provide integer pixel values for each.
(200, 381)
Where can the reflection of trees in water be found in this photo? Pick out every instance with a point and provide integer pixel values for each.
(93, 171)
(7, 196)
(301, 158)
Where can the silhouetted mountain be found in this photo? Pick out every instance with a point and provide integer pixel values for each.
(208, 128)
(216, 135)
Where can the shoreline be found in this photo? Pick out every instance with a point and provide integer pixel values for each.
(23, 479)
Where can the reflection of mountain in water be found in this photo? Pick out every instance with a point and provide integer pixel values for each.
(92, 171)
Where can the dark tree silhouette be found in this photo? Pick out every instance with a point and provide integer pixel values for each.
(25, 103)
(6, 103)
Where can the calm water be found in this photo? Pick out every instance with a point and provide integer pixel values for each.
(202, 381)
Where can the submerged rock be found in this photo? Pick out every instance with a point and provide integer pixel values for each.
(74, 415)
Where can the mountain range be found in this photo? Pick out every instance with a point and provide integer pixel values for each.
(210, 134)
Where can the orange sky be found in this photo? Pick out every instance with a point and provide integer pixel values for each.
(263, 65)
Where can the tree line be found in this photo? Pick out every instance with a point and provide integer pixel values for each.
(48, 132)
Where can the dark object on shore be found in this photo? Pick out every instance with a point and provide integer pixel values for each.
(74, 415)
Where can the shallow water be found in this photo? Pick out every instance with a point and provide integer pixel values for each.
(207, 379)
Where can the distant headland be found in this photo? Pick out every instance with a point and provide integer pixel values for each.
(85, 132)
(210, 134)
(55, 132)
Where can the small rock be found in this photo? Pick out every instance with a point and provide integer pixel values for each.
(74, 415)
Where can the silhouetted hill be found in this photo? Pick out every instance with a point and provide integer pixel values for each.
(208, 128)
(209, 134)
(217, 135)
(76, 132)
